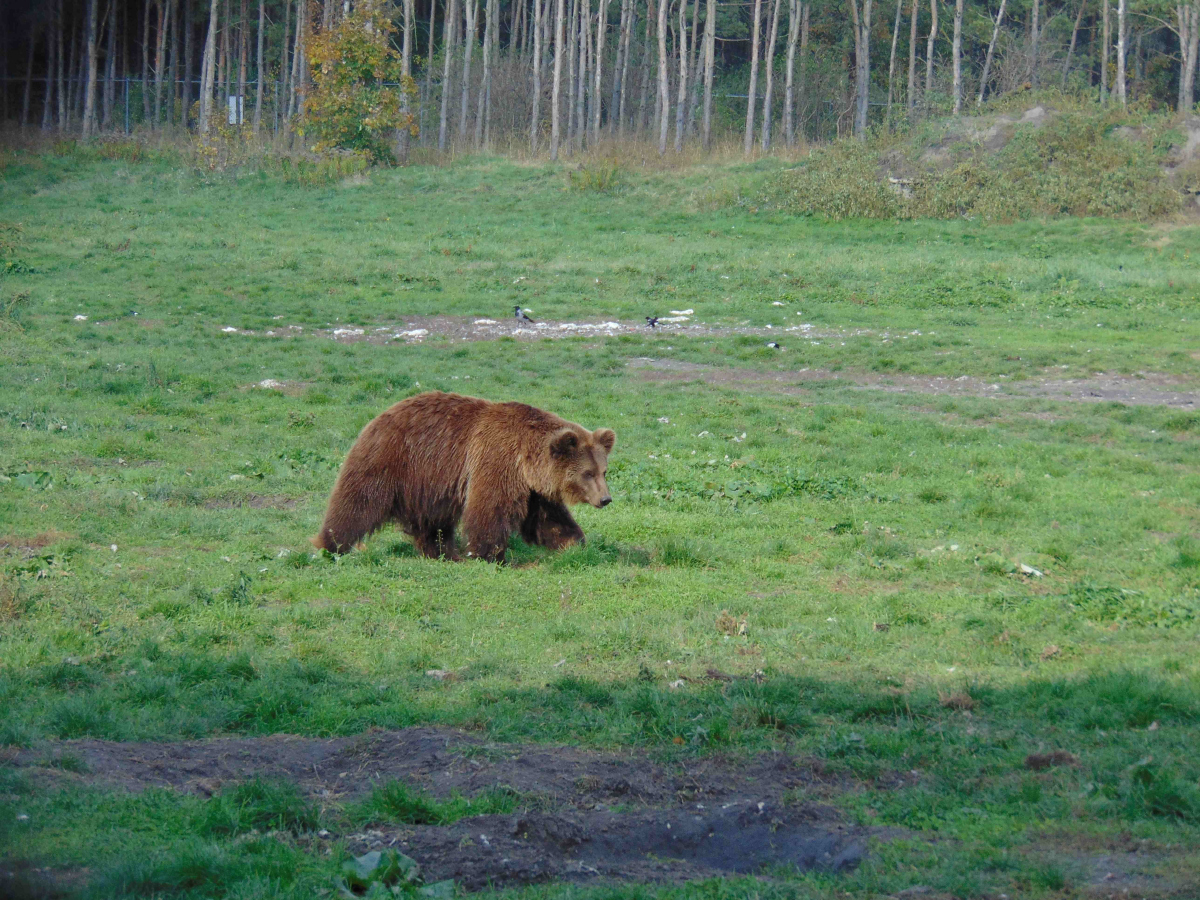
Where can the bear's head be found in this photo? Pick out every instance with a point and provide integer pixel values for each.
(580, 459)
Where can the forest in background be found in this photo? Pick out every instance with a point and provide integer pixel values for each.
(556, 76)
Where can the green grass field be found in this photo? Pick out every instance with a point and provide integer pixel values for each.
(156, 582)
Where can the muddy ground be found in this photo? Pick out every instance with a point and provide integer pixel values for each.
(1143, 388)
(583, 815)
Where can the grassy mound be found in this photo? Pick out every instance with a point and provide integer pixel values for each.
(1082, 161)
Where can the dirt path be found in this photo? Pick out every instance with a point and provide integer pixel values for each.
(585, 815)
(1142, 389)
(1146, 389)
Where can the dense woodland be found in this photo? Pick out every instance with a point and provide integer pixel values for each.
(555, 76)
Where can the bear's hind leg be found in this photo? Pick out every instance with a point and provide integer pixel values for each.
(356, 509)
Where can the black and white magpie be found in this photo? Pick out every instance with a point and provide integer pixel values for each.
(651, 321)
(520, 316)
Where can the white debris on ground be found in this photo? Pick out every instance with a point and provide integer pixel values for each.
(270, 384)
(486, 322)
(414, 334)
(229, 329)
(81, 318)
(341, 332)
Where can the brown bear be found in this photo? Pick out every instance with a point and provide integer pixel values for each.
(435, 459)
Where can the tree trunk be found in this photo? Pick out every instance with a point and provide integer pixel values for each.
(647, 69)
(258, 64)
(223, 66)
(297, 69)
(768, 88)
(956, 54)
(160, 52)
(60, 65)
(427, 89)
(800, 79)
(616, 108)
(1034, 34)
(471, 23)
(862, 65)
(933, 30)
(892, 62)
(535, 120)
(585, 36)
(1074, 37)
(911, 100)
(173, 64)
(47, 106)
(664, 91)
(681, 96)
(710, 36)
(110, 68)
(29, 76)
(1122, 41)
(987, 62)
(208, 68)
(185, 93)
(486, 84)
(694, 70)
(556, 87)
(89, 103)
(748, 139)
(598, 76)
(243, 57)
(1105, 43)
(572, 39)
(146, 110)
(1188, 15)
(449, 30)
(789, 87)
(285, 67)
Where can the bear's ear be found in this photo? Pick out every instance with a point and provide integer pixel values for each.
(563, 442)
(606, 438)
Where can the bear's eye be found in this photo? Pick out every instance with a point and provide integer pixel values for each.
(588, 475)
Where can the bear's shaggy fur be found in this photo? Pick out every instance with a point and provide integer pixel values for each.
(435, 459)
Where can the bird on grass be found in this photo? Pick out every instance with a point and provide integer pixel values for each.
(651, 321)
(774, 346)
(520, 316)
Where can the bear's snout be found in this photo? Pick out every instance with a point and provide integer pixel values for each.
(604, 501)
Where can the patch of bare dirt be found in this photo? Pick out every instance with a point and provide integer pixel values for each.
(252, 501)
(456, 328)
(591, 814)
(29, 543)
(1143, 389)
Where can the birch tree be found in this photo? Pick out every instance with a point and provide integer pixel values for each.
(207, 68)
(601, 28)
(259, 65)
(710, 36)
(862, 64)
(1122, 40)
(681, 100)
(892, 61)
(664, 92)
(1071, 49)
(1188, 18)
(89, 105)
(956, 53)
(448, 33)
(556, 90)
(789, 125)
(987, 62)
(535, 121)
(933, 30)
(754, 42)
(769, 86)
